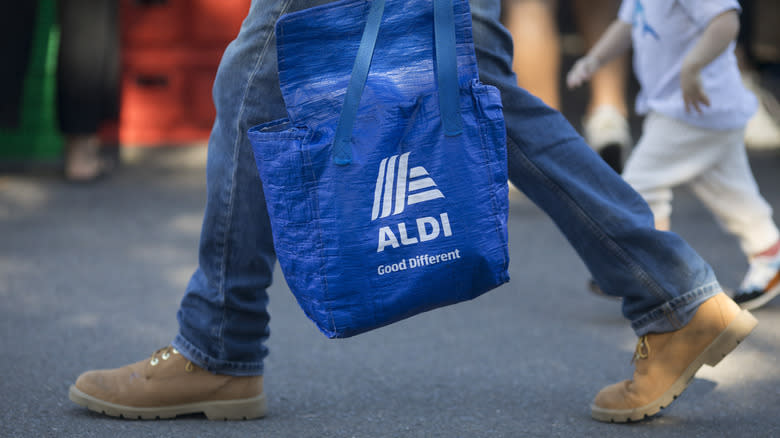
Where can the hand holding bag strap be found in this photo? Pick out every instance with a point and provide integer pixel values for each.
(446, 67)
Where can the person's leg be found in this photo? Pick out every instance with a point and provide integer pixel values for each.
(87, 81)
(606, 221)
(647, 172)
(670, 294)
(643, 175)
(215, 363)
(537, 52)
(730, 191)
(223, 321)
(758, 53)
(605, 124)
(670, 153)
(608, 85)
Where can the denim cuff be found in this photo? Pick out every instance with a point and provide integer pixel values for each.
(216, 366)
(676, 313)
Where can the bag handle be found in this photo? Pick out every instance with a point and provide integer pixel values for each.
(446, 66)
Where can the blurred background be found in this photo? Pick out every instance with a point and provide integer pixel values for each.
(141, 71)
(151, 62)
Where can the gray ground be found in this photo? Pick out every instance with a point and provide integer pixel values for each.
(91, 276)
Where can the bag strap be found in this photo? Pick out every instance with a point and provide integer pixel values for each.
(446, 66)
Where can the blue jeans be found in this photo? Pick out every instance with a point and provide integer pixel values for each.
(223, 318)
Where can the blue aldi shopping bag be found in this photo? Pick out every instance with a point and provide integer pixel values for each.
(387, 184)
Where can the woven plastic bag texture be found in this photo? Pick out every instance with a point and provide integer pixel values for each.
(418, 219)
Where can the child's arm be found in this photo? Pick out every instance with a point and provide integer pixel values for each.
(721, 31)
(615, 41)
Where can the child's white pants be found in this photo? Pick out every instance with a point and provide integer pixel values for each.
(714, 165)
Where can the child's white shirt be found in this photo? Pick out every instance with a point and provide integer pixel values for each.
(663, 31)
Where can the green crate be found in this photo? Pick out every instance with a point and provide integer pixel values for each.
(37, 138)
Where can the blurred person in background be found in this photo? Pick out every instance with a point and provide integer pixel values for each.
(697, 109)
(87, 78)
(88, 85)
(537, 61)
(759, 56)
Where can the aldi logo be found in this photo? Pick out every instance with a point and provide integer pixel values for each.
(398, 185)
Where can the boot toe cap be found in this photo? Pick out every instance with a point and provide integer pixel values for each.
(613, 397)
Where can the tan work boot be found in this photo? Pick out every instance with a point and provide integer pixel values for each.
(167, 385)
(666, 362)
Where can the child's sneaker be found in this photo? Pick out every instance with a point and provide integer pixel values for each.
(762, 281)
(608, 133)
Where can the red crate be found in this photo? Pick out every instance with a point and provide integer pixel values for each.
(166, 95)
(214, 23)
(171, 50)
(154, 23)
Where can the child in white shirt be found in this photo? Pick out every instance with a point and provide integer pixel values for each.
(696, 111)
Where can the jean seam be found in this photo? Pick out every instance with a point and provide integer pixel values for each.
(233, 187)
(603, 238)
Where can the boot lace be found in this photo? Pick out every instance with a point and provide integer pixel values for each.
(165, 354)
(642, 349)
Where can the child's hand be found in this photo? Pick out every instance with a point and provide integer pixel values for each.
(692, 92)
(582, 71)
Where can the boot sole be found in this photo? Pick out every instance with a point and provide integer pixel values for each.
(242, 409)
(724, 343)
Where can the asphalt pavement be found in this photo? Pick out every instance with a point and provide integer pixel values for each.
(91, 277)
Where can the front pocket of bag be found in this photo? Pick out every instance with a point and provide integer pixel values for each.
(292, 208)
(277, 149)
